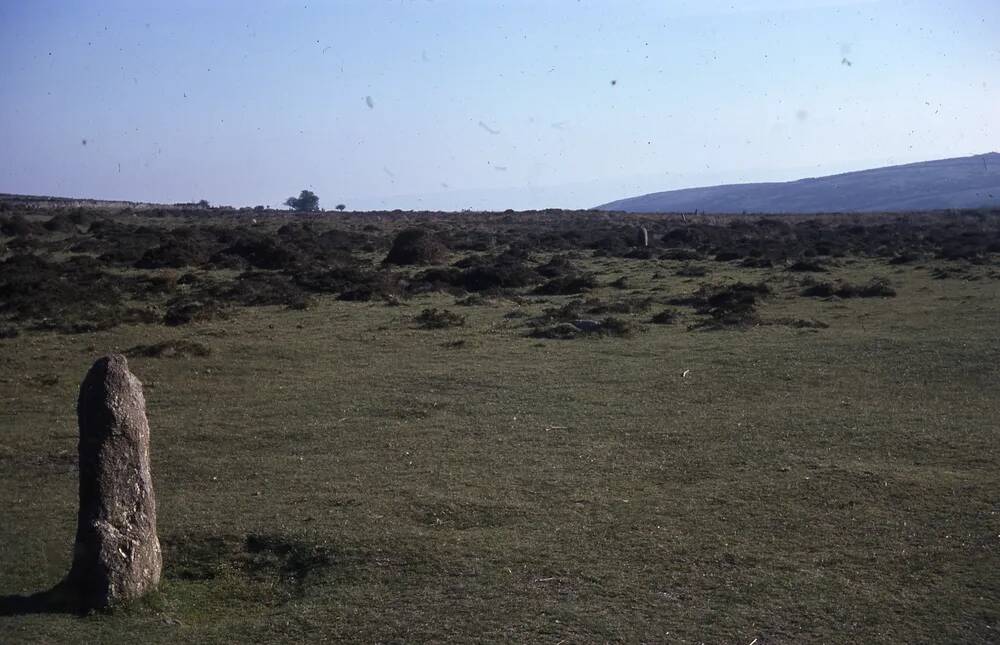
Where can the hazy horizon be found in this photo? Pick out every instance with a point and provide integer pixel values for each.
(450, 105)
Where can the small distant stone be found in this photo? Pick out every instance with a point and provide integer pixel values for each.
(642, 237)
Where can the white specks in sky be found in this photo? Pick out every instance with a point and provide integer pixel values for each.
(488, 128)
(938, 52)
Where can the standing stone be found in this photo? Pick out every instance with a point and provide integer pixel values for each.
(642, 238)
(117, 553)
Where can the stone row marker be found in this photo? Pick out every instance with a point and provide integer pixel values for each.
(642, 237)
(116, 557)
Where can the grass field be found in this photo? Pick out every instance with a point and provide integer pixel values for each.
(336, 472)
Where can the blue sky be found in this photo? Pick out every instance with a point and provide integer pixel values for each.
(485, 105)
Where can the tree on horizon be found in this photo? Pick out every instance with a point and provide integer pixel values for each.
(306, 201)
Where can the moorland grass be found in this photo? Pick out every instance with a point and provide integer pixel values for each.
(338, 472)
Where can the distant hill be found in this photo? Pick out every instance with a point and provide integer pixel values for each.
(963, 182)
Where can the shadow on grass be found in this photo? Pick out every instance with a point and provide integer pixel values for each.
(56, 600)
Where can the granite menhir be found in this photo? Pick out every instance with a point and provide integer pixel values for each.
(117, 553)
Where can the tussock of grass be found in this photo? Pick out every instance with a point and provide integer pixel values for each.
(434, 318)
(170, 349)
(874, 288)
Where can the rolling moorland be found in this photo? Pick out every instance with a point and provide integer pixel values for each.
(399, 427)
(961, 182)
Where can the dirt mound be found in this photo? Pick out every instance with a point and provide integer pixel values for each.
(61, 223)
(435, 318)
(665, 317)
(261, 253)
(183, 311)
(416, 246)
(567, 284)
(874, 288)
(174, 254)
(352, 283)
(557, 266)
(584, 327)
(727, 306)
(170, 349)
(477, 273)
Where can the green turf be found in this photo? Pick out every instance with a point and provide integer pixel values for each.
(339, 474)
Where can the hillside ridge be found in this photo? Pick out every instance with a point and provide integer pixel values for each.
(955, 183)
